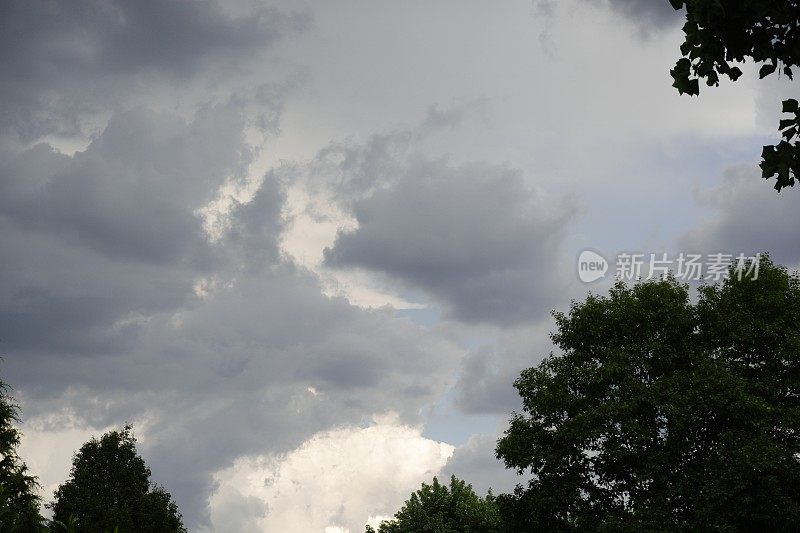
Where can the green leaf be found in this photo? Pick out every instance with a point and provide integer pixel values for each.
(766, 70)
(683, 65)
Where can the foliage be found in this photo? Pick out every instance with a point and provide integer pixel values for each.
(109, 487)
(664, 415)
(19, 502)
(719, 33)
(69, 526)
(435, 508)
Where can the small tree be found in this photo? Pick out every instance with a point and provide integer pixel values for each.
(109, 487)
(664, 415)
(436, 509)
(19, 502)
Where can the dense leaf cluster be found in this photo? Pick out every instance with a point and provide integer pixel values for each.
(719, 33)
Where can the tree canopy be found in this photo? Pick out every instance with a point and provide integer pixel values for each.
(720, 33)
(660, 414)
(109, 487)
(19, 501)
(437, 508)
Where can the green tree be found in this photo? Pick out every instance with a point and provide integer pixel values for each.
(435, 508)
(719, 33)
(19, 501)
(109, 487)
(660, 414)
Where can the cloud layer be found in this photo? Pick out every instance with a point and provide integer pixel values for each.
(118, 305)
(62, 64)
(747, 216)
(474, 236)
(348, 471)
(253, 229)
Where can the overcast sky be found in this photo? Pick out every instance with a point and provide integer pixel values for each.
(306, 247)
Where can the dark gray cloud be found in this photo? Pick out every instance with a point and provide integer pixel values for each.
(56, 296)
(748, 217)
(650, 15)
(133, 192)
(100, 241)
(61, 61)
(475, 463)
(486, 381)
(474, 236)
(255, 226)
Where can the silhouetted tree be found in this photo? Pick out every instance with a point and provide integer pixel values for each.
(19, 502)
(664, 415)
(109, 487)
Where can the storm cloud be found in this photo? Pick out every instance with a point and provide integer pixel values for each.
(116, 300)
(747, 216)
(61, 62)
(473, 236)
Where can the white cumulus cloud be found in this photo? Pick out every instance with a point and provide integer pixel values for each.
(336, 481)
